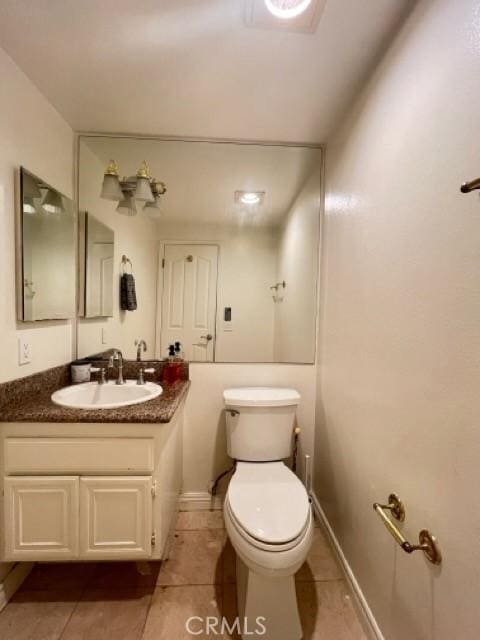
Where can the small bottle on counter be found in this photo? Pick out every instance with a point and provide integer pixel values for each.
(172, 371)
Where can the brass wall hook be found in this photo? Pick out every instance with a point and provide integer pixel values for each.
(427, 542)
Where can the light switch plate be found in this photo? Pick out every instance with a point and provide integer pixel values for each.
(104, 335)
(24, 351)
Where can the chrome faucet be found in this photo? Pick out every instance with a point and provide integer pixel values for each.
(118, 356)
(139, 344)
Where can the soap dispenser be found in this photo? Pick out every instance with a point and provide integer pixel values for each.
(172, 370)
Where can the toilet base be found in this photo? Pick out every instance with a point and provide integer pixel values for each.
(268, 601)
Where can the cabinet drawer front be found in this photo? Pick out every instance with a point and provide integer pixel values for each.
(115, 518)
(80, 456)
(41, 518)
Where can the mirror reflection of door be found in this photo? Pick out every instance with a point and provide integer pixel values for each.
(100, 273)
(99, 261)
(189, 300)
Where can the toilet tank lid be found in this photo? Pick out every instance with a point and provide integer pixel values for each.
(261, 397)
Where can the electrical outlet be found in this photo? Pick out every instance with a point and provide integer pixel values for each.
(104, 335)
(24, 351)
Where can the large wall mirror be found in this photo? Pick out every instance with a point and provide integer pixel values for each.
(46, 284)
(225, 261)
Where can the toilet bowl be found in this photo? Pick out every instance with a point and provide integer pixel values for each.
(269, 522)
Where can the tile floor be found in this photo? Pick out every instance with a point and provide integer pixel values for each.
(152, 600)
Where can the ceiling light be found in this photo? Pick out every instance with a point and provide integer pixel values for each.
(287, 9)
(250, 198)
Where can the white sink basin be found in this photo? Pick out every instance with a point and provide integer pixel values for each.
(91, 395)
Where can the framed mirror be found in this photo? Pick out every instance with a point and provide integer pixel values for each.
(225, 254)
(96, 255)
(46, 253)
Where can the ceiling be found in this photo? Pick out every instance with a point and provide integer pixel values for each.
(202, 177)
(194, 67)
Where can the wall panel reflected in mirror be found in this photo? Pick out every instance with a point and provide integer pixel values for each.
(96, 244)
(46, 285)
(227, 264)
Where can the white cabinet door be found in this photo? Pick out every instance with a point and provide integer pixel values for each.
(115, 517)
(41, 518)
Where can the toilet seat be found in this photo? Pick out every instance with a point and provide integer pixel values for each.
(268, 505)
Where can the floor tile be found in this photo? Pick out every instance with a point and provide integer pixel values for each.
(193, 520)
(229, 563)
(327, 611)
(196, 558)
(173, 606)
(321, 563)
(37, 615)
(63, 576)
(124, 575)
(109, 614)
(230, 610)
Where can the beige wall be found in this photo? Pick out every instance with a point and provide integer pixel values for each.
(399, 402)
(205, 452)
(297, 265)
(136, 238)
(32, 134)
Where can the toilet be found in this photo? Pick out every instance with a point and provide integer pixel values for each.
(267, 511)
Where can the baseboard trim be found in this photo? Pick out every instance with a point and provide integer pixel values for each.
(13, 581)
(371, 625)
(200, 501)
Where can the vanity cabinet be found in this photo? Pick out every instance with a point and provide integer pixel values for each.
(104, 492)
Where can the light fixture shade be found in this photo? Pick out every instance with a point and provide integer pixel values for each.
(111, 188)
(143, 192)
(29, 205)
(127, 206)
(153, 209)
(52, 202)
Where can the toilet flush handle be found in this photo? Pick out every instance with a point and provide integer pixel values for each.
(232, 412)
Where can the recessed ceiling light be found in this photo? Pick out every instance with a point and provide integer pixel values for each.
(286, 9)
(249, 197)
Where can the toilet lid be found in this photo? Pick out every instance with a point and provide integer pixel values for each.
(268, 501)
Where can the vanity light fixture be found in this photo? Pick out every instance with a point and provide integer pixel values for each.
(29, 205)
(141, 188)
(250, 198)
(287, 9)
(52, 202)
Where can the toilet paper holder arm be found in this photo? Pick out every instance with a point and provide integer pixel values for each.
(427, 542)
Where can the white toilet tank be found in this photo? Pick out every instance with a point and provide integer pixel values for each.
(260, 422)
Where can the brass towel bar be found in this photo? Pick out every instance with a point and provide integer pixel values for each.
(427, 542)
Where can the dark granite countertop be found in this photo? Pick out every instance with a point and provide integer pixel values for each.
(28, 400)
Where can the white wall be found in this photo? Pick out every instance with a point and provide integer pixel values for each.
(399, 402)
(205, 452)
(246, 272)
(297, 265)
(34, 135)
(136, 237)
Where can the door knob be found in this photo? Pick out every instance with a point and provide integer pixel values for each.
(208, 337)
